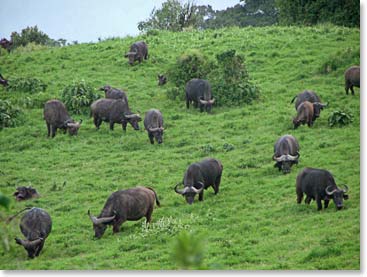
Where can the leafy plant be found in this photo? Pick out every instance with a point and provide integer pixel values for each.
(26, 84)
(340, 118)
(8, 114)
(4, 201)
(78, 96)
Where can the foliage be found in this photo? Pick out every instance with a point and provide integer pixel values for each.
(4, 201)
(191, 64)
(231, 84)
(189, 250)
(340, 118)
(78, 96)
(172, 16)
(33, 34)
(310, 12)
(26, 84)
(341, 60)
(9, 115)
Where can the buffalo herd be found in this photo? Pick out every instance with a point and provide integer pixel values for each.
(138, 202)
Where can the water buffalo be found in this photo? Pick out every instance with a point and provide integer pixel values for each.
(113, 93)
(123, 205)
(153, 123)
(305, 114)
(199, 92)
(25, 193)
(311, 97)
(6, 44)
(319, 184)
(351, 76)
(57, 117)
(161, 80)
(138, 52)
(200, 176)
(3, 81)
(286, 153)
(35, 225)
(114, 111)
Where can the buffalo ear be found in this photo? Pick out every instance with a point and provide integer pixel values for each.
(345, 196)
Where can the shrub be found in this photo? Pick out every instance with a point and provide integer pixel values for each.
(78, 96)
(8, 114)
(340, 118)
(231, 85)
(26, 84)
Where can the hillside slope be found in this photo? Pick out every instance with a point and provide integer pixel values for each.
(254, 222)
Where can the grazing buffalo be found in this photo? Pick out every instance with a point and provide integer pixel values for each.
(57, 117)
(138, 52)
(199, 92)
(305, 114)
(286, 153)
(123, 205)
(161, 80)
(6, 44)
(319, 184)
(114, 111)
(113, 93)
(153, 123)
(200, 176)
(313, 98)
(35, 225)
(25, 193)
(351, 79)
(3, 81)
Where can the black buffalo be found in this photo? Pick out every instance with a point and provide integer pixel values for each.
(35, 225)
(123, 205)
(113, 93)
(153, 123)
(319, 184)
(199, 92)
(286, 153)
(305, 115)
(114, 111)
(25, 193)
(351, 76)
(138, 52)
(6, 44)
(200, 176)
(3, 81)
(161, 80)
(57, 117)
(311, 97)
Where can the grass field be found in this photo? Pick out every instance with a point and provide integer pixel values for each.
(254, 222)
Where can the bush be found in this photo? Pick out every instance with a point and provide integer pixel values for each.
(231, 85)
(191, 64)
(340, 119)
(8, 114)
(26, 84)
(78, 96)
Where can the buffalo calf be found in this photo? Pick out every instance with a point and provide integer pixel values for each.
(351, 76)
(153, 123)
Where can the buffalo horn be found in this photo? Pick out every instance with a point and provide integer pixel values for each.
(280, 159)
(179, 191)
(291, 158)
(132, 115)
(212, 101)
(131, 53)
(101, 220)
(329, 192)
(198, 190)
(27, 243)
(345, 188)
(203, 102)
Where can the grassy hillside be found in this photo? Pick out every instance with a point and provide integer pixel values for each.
(254, 222)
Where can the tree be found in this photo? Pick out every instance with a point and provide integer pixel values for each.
(173, 16)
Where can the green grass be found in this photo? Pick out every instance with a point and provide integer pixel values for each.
(254, 222)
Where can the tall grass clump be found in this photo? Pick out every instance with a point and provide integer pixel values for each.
(27, 84)
(231, 84)
(9, 115)
(341, 60)
(78, 96)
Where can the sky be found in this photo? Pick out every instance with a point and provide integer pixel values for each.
(83, 20)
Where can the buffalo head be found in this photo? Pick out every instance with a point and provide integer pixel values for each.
(32, 247)
(317, 107)
(189, 192)
(207, 104)
(157, 133)
(338, 195)
(73, 127)
(100, 224)
(284, 162)
(132, 56)
(133, 119)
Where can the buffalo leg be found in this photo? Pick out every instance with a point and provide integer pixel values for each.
(351, 88)
(111, 125)
(318, 202)
(216, 184)
(48, 129)
(39, 248)
(201, 195)
(124, 125)
(346, 89)
(308, 200)
(53, 131)
(187, 103)
(97, 122)
(326, 203)
(149, 215)
(117, 225)
(151, 138)
(299, 197)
